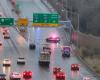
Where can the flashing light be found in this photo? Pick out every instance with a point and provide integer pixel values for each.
(30, 73)
(53, 36)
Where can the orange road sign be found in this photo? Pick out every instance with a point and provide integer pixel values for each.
(22, 22)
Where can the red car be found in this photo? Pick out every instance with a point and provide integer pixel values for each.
(27, 74)
(60, 76)
(56, 70)
(75, 67)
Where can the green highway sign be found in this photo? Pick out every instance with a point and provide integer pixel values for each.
(47, 18)
(6, 21)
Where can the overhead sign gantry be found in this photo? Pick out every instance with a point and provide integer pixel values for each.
(38, 20)
(45, 19)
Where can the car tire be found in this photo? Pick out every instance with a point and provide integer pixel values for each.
(47, 40)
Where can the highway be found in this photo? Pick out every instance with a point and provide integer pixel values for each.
(17, 46)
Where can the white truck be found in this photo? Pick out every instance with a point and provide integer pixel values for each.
(44, 59)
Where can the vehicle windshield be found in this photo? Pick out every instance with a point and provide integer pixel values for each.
(66, 49)
(21, 58)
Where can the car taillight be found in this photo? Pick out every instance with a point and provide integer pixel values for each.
(57, 75)
(24, 73)
(72, 66)
(75, 65)
(30, 73)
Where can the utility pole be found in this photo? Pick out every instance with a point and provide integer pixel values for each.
(69, 9)
(78, 30)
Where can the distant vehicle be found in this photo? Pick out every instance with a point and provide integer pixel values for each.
(86, 78)
(6, 62)
(21, 61)
(5, 32)
(65, 54)
(6, 29)
(75, 67)
(66, 51)
(13, 2)
(56, 70)
(47, 49)
(27, 74)
(44, 59)
(60, 76)
(0, 43)
(15, 76)
(32, 46)
(2, 76)
(6, 36)
(53, 39)
(22, 29)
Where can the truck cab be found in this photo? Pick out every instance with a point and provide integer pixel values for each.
(44, 59)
